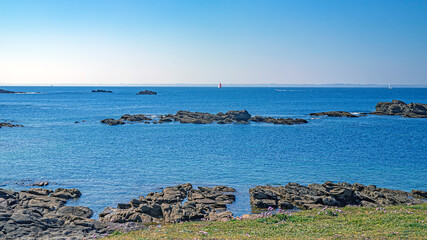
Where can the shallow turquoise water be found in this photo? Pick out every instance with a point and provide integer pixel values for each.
(112, 164)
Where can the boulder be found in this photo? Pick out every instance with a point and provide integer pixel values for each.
(66, 193)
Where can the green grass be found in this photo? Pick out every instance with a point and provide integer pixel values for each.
(399, 222)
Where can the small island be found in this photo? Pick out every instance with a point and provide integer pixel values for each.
(101, 91)
(146, 92)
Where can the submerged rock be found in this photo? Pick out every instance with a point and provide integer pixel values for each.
(327, 194)
(101, 91)
(334, 114)
(5, 124)
(146, 92)
(396, 107)
(169, 206)
(286, 121)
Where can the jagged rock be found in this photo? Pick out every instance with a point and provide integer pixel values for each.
(146, 92)
(36, 214)
(169, 206)
(396, 107)
(327, 194)
(419, 193)
(66, 193)
(334, 114)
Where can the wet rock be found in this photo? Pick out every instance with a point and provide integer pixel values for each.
(146, 92)
(334, 114)
(40, 184)
(396, 107)
(327, 194)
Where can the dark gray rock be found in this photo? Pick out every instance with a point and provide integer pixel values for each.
(37, 214)
(419, 193)
(169, 205)
(327, 194)
(334, 114)
(396, 107)
(146, 92)
(66, 193)
(5, 124)
(101, 91)
(285, 121)
(112, 122)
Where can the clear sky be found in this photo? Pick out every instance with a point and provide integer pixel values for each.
(207, 41)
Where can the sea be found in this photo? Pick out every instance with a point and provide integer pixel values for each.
(113, 164)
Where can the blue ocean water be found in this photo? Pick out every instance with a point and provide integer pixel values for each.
(112, 164)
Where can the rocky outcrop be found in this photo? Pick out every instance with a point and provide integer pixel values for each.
(5, 124)
(396, 107)
(174, 204)
(419, 193)
(2, 91)
(8, 92)
(101, 91)
(112, 122)
(334, 114)
(41, 214)
(240, 116)
(286, 121)
(146, 92)
(327, 194)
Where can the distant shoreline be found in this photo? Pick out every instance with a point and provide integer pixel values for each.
(231, 85)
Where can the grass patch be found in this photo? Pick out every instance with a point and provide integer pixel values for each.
(399, 222)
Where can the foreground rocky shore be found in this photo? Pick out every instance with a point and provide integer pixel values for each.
(41, 213)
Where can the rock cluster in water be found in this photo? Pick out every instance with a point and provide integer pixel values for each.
(334, 114)
(146, 92)
(241, 116)
(396, 107)
(329, 194)
(5, 124)
(41, 214)
(101, 91)
(174, 204)
(286, 121)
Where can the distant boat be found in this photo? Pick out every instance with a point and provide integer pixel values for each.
(219, 85)
(389, 86)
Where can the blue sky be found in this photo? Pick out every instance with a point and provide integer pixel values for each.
(206, 42)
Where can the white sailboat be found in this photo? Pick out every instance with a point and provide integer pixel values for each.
(389, 86)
